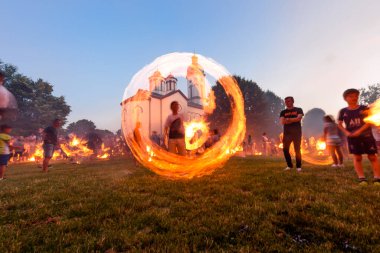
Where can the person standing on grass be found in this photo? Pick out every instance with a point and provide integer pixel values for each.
(50, 137)
(175, 131)
(333, 140)
(5, 149)
(249, 144)
(155, 138)
(360, 138)
(291, 120)
(266, 144)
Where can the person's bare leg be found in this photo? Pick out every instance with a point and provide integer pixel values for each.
(172, 146)
(375, 165)
(2, 171)
(358, 166)
(45, 164)
(181, 146)
(340, 154)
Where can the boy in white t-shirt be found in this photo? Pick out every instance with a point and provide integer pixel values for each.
(175, 131)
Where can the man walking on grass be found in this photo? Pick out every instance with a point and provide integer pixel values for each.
(291, 120)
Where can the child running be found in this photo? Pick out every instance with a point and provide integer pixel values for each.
(360, 138)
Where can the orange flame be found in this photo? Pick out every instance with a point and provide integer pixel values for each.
(374, 114)
(321, 145)
(193, 139)
(75, 148)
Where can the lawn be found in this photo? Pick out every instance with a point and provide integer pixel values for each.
(251, 205)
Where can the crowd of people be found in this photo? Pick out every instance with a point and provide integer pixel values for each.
(358, 133)
(349, 131)
(20, 149)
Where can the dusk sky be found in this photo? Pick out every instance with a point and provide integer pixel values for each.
(89, 50)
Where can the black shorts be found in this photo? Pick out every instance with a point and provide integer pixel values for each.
(4, 159)
(362, 145)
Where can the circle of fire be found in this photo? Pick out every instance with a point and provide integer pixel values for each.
(136, 129)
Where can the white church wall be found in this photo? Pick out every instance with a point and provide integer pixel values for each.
(138, 111)
(156, 116)
(194, 113)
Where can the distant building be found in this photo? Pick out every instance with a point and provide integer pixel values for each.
(152, 107)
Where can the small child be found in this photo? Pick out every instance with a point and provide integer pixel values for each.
(333, 140)
(360, 138)
(5, 152)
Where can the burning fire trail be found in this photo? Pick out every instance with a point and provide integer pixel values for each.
(172, 165)
(320, 158)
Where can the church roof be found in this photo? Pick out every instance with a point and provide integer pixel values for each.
(159, 96)
(142, 95)
(157, 74)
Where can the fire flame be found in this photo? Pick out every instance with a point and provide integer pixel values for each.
(76, 148)
(374, 114)
(321, 145)
(196, 134)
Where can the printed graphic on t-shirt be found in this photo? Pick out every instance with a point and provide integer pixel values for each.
(354, 119)
(295, 127)
(290, 114)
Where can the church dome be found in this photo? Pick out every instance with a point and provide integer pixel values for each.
(170, 76)
(156, 74)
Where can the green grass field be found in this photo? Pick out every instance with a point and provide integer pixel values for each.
(250, 205)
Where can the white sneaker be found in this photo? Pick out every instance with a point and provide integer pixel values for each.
(299, 169)
(335, 165)
(287, 168)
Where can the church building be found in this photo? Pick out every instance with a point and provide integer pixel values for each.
(152, 107)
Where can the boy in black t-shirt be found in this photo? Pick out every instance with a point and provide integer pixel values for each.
(360, 138)
(291, 120)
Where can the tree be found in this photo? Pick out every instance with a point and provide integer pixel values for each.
(370, 94)
(81, 128)
(37, 106)
(312, 123)
(262, 109)
(104, 133)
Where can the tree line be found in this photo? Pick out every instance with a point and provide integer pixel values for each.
(38, 106)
